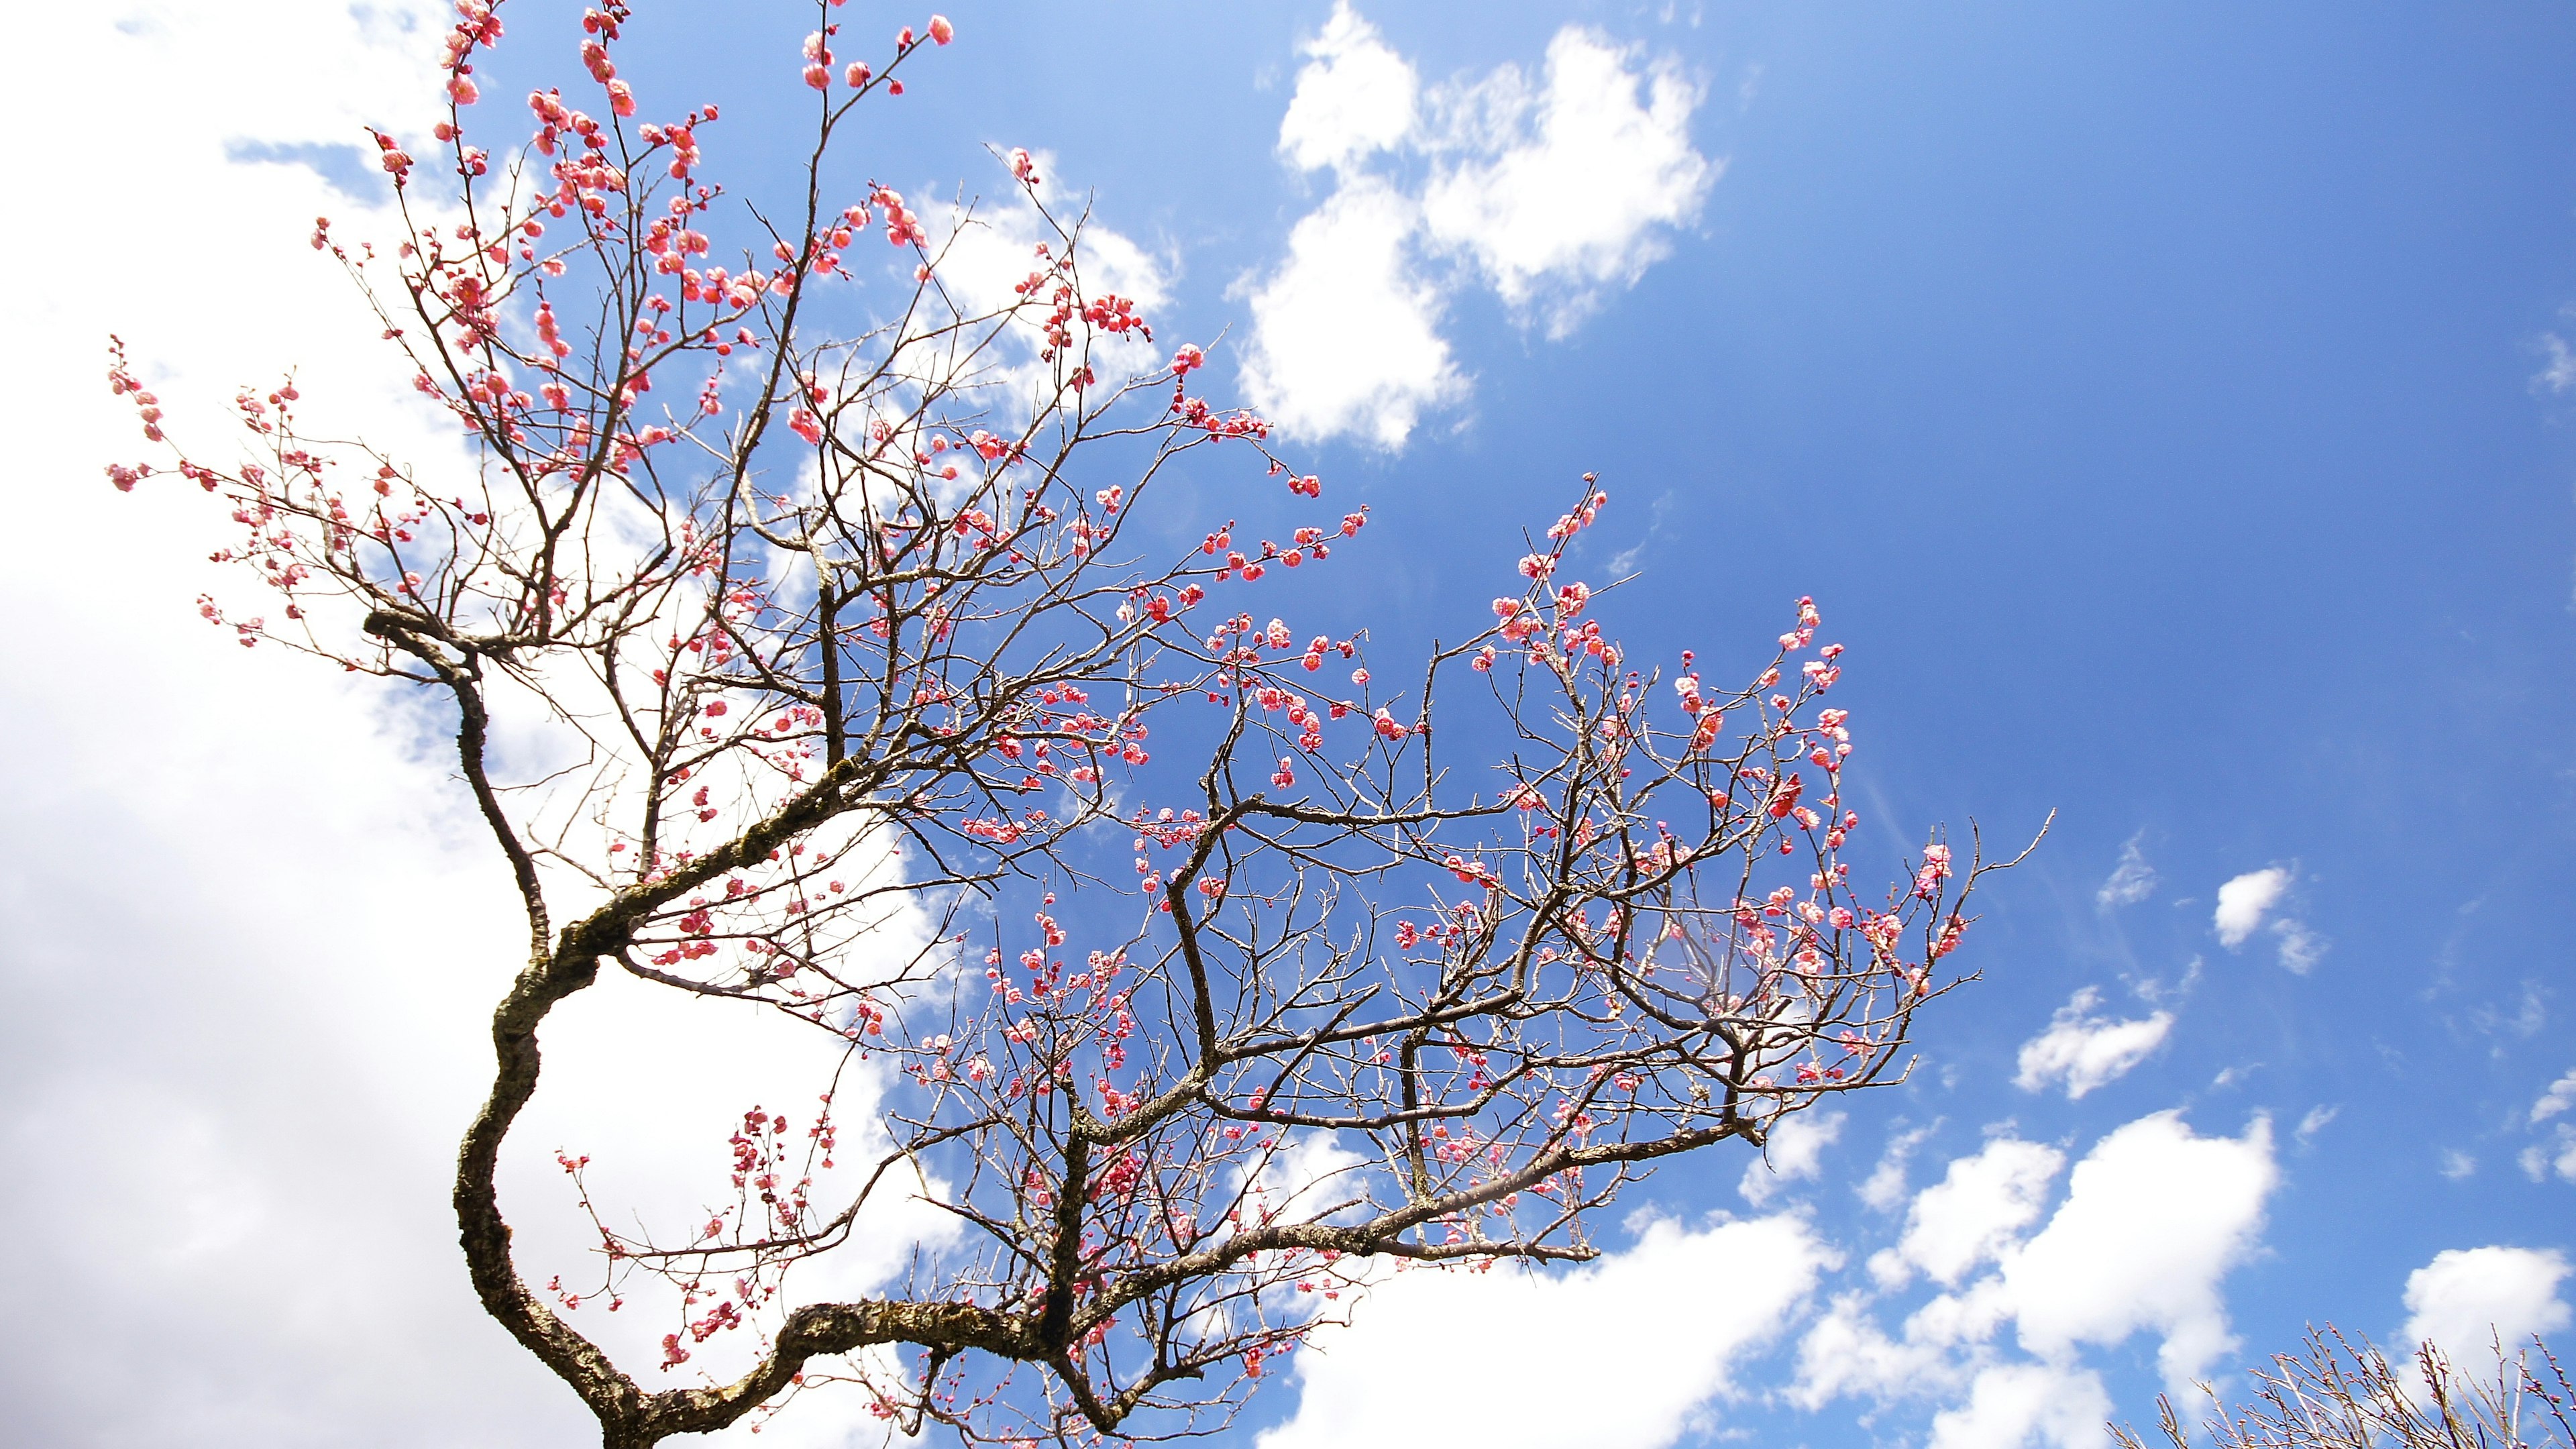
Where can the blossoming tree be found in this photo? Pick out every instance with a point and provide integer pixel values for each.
(853, 690)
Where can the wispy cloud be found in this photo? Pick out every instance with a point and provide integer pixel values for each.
(1884, 1188)
(2559, 373)
(2315, 1122)
(2528, 1014)
(1624, 561)
(2131, 881)
(2301, 948)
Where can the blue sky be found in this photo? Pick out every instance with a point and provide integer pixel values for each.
(2159, 404)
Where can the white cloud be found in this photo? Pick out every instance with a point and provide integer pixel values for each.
(1884, 1188)
(2084, 1051)
(1354, 97)
(2243, 902)
(229, 1027)
(1625, 1353)
(1846, 1352)
(2013, 1405)
(2560, 374)
(1570, 188)
(1974, 1212)
(2154, 991)
(1345, 335)
(2131, 881)
(2557, 1155)
(2301, 948)
(979, 264)
(1624, 562)
(2560, 1096)
(2155, 1216)
(2458, 1166)
(287, 878)
(2466, 1298)
(981, 260)
(1796, 1150)
(1552, 193)
(2315, 1122)
(1314, 1173)
(2530, 1014)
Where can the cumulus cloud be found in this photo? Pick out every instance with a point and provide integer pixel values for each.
(983, 257)
(1846, 1352)
(227, 1026)
(1558, 188)
(985, 253)
(1345, 335)
(1354, 97)
(1314, 1174)
(1625, 1353)
(2083, 1051)
(2245, 901)
(253, 955)
(1974, 1212)
(2467, 1298)
(2131, 881)
(2155, 1216)
(2013, 1405)
(1571, 184)
(1796, 1151)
